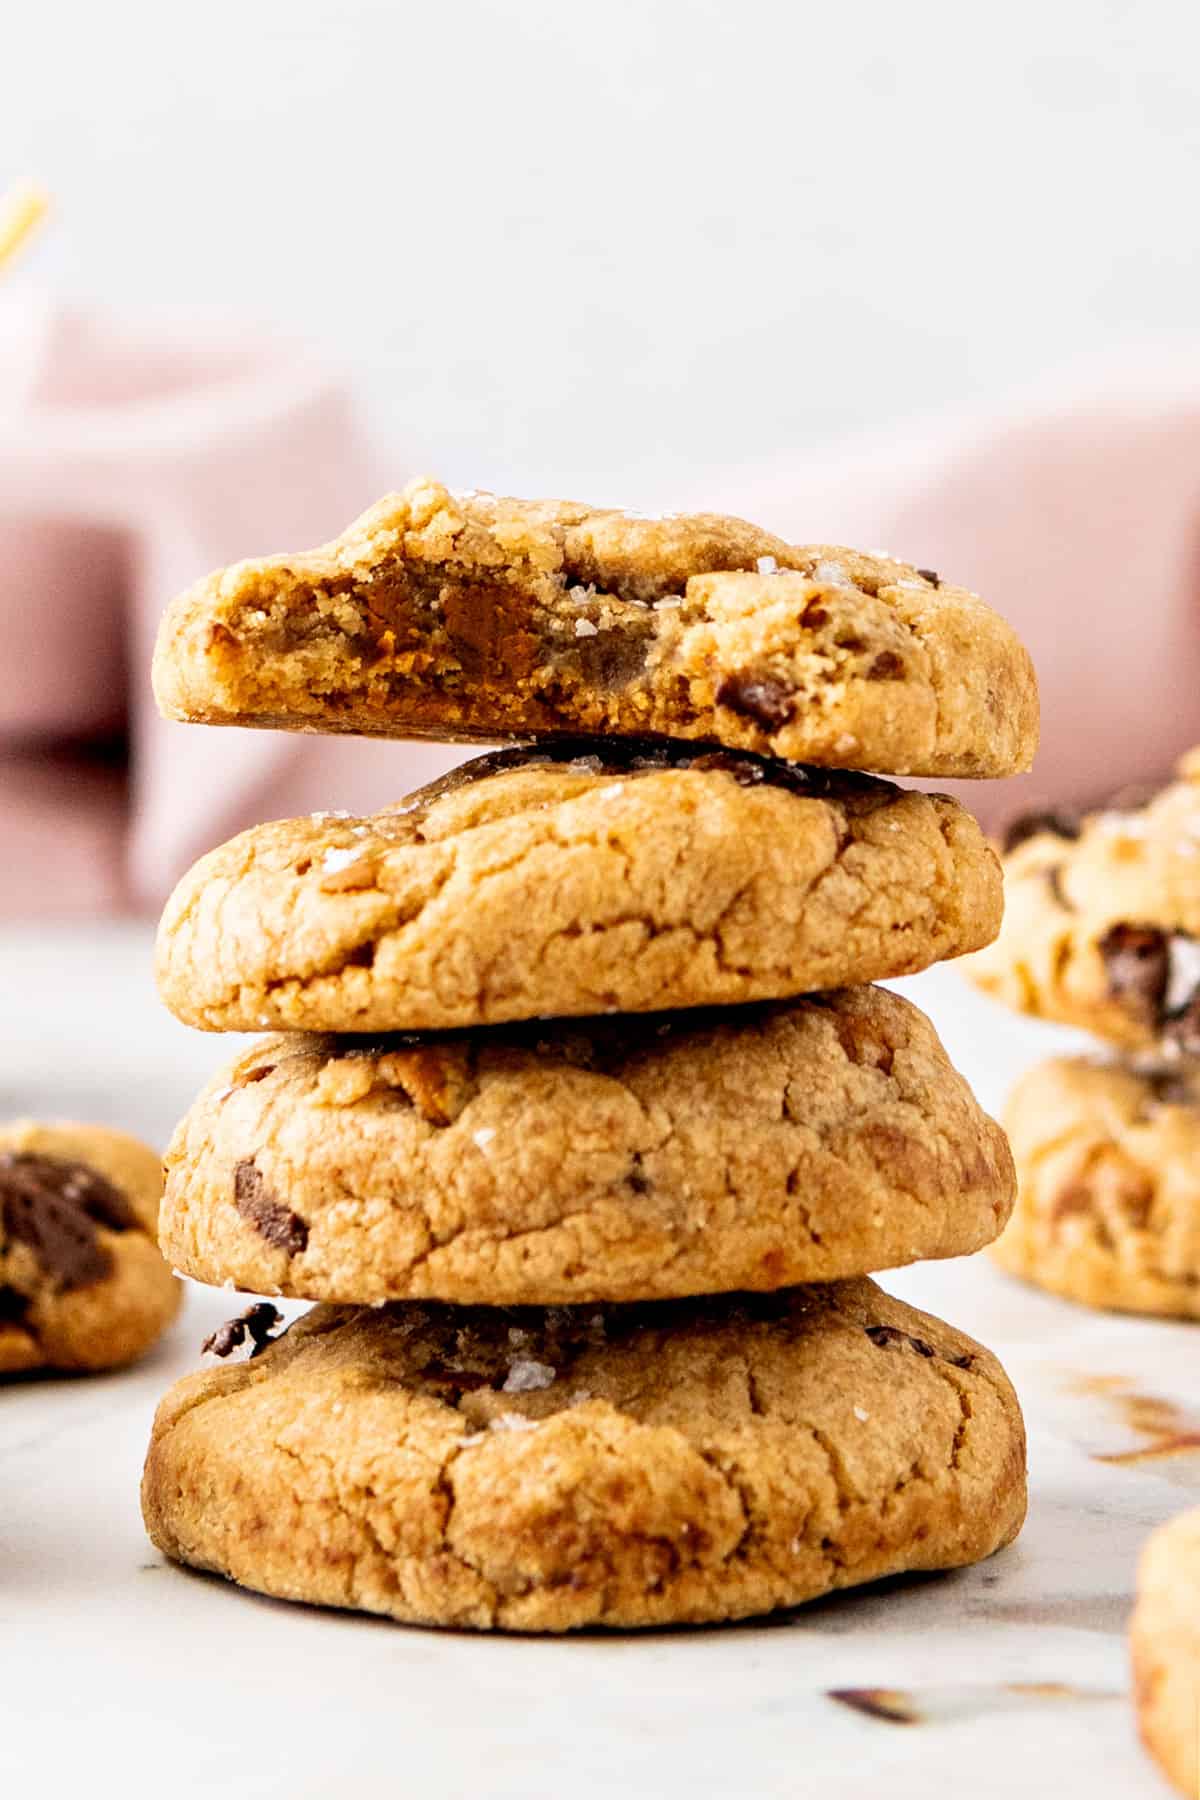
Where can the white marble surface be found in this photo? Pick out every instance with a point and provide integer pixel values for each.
(123, 1675)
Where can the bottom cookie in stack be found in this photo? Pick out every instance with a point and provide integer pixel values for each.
(541, 1470)
(1165, 1646)
(1108, 1168)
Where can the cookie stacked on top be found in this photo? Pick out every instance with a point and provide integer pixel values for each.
(579, 1121)
(1103, 933)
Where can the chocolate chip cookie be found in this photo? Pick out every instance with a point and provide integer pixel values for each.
(1102, 926)
(621, 1159)
(82, 1282)
(453, 615)
(1164, 1641)
(1108, 1173)
(572, 880)
(672, 1463)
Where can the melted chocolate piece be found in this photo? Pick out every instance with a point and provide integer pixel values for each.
(1033, 824)
(256, 1323)
(759, 697)
(648, 756)
(54, 1206)
(13, 1307)
(1137, 961)
(282, 1228)
(887, 1337)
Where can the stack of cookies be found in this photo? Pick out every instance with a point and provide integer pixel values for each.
(578, 1120)
(1103, 933)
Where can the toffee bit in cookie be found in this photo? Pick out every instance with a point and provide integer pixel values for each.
(1035, 824)
(256, 1324)
(282, 1228)
(54, 1207)
(760, 697)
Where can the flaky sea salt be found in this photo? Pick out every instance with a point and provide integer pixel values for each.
(333, 860)
(585, 628)
(766, 565)
(512, 1422)
(483, 1136)
(833, 574)
(525, 1376)
(861, 1415)
(319, 818)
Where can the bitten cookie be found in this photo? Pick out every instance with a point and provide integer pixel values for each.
(1102, 926)
(1165, 1647)
(625, 1159)
(537, 1471)
(575, 880)
(82, 1282)
(466, 615)
(1108, 1175)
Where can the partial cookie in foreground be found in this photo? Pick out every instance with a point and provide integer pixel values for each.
(571, 880)
(470, 616)
(82, 1282)
(628, 1159)
(1102, 921)
(540, 1471)
(1165, 1645)
(1108, 1177)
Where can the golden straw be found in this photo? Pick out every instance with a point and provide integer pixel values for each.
(22, 209)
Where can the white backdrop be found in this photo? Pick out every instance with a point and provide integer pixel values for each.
(618, 247)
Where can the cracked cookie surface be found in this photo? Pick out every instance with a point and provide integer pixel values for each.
(82, 1282)
(621, 1159)
(576, 879)
(1108, 1174)
(470, 616)
(1102, 921)
(681, 1462)
(1164, 1639)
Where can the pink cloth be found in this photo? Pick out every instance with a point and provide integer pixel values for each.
(1077, 516)
(132, 460)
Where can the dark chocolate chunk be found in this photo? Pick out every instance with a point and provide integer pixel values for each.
(886, 667)
(13, 1306)
(890, 1336)
(1137, 960)
(278, 1224)
(1034, 824)
(887, 1335)
(759, 697)
(256, 1323)
(54, 1206)
(930, 575)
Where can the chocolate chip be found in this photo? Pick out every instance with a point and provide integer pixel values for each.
(930, 575)
(282, 1228)
(1035, 824)
(54, 1206)
(13, 1306)
(888, 1336)
(1137, 961)
(256, 1323)
(886, 667)
(884, 1336)
(760, 697)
